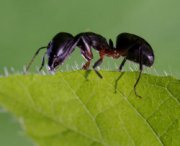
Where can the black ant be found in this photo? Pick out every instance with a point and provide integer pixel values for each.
(130, 46)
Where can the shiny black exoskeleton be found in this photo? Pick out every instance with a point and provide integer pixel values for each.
(87, 41)
(61, 46)
(130, 46)
(134, 48)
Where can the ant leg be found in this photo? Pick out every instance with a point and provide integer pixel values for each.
(122, 64)
(86, 65)
(141, 68)
(37, 52)
(86, 52)
(136, 84)
(96, 64)
(43, 62)
(120, 68)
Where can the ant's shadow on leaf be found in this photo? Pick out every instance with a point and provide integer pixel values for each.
(87, 72)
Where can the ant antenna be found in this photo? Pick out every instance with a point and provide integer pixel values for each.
(37, 52)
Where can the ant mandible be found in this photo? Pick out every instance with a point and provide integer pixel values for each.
(130, 46)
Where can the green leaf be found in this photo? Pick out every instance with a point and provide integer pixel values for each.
(80, 109)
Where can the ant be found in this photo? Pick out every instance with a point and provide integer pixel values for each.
(129, 46)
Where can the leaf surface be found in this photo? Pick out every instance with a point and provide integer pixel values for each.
(80, 109)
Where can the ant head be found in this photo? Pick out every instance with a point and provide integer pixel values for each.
(59, 49)
(56, 54)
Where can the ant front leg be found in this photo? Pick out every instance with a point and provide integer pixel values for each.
(86, 52)
(98, 63)
(140, 68)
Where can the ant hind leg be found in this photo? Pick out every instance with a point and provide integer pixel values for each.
(141, 68)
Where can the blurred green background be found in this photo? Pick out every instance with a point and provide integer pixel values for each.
(27, 25)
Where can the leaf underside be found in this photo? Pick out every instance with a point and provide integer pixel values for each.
(80, 109)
